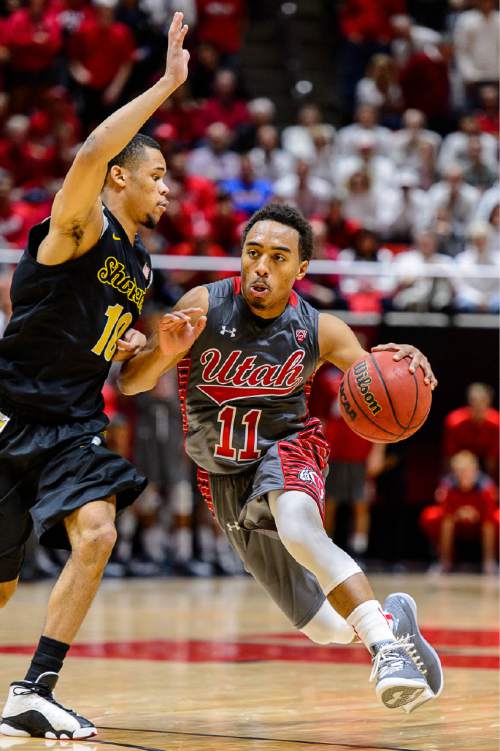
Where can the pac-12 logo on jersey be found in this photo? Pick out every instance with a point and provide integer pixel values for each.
(238, 376)
(301, 335)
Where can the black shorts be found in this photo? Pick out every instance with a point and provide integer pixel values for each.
(240, 505)
(48, 471)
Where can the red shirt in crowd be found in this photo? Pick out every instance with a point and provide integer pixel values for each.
(483, 497)
(461, 432)
(345, 445)
(489, 123)
(425, 84)
(220, 22)
(33, 42)
(232, 113)
(102, 50)
(368, 20)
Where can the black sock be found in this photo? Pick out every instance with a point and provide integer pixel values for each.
(49, 657)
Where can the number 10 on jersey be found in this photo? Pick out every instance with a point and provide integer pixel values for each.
(225, 448)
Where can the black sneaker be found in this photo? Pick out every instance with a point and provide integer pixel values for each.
(31, 710)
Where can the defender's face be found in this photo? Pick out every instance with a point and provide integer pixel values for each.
(147, 189)
(270, 264)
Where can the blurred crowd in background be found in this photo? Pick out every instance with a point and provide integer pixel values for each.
(405, 173)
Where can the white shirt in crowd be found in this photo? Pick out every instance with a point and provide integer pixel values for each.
(298, 140)
(476, 39)
(222, 166)
(271, 165)
(381, 170)
(350, 285)
(475, 292)
(312, 199)
(463, 206)
(420, 291)
(455, 146)
(405, 148)
(403, 212)
(350, 137)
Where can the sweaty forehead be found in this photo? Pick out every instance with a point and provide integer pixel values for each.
(270, 233)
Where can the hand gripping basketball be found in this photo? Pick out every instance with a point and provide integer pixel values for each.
(177, 332)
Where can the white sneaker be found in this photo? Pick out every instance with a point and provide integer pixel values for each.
(31, 710)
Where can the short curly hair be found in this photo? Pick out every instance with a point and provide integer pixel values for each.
(285, 214)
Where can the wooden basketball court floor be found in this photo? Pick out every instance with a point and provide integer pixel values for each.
(212, 665)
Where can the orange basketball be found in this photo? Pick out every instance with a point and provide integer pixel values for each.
(381, 400)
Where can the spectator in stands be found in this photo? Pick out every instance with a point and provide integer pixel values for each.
(324, 159)
(474, 428)
(467, 508)
(270, 162)
(262, 111)
(321, 290)
(472, 294)
(194, 190)
(5, 303)
(380, 89)
(406, 143)
(453, 194)
(298, 139)
(340, 229)
(366, 123)
(366, 159)
(477, 172)
(308, 193)
(221, 23)
(487, 116)
(14, 218)
(362, 203)
(182, 113)
(225, 224)
(347, 480)
(215, 160)
(32, 36)
(455, 145)
(417, 292)
(366, 293)
(248, 192)
(476, 39)
(30, 162)
(102, 54)
(404, 210)
(224, 106)
(427, 170)
(204, 66)
(199, 244)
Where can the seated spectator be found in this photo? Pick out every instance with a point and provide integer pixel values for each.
(308, 193)
(269, 161)
(176, 223)
(454, 148)
(224, 106)
(362, 203)
(474, 428)
(248, 192)
(298, 139)
(476, 40)
(225, 224)
(221, 24)
(340, 229)
(380, 168)
(459, 198)
(404, 210)
(102, 54)
(473, 294)
(14, 218)
(487, 115)
(348, 138)
(321, 290)
(182, 113)
(215, 160)
(200, 244)
(380, 88)
(487, 205)
(324, 159)
(32, 36)
(203, 67)
(417, 292)
(477, 173)
(196, 190)
(262, 112)
(31, 162)
(427, 170)
(56, 118)
(467, 508)
(366, 293)
(406, 143)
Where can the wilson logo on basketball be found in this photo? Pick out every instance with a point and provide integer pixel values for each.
(363, 382)
(238, 377)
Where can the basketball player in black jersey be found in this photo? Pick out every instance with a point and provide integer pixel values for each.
(245, 350)
(76, 293)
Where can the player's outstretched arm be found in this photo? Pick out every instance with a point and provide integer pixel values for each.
(177, 332)
(76, 217)
(339, 345)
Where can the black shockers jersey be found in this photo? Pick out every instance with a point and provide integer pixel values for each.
(243, 385)
(57, 349)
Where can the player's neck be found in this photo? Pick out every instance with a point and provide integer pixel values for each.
(117, 209)
(268, 313)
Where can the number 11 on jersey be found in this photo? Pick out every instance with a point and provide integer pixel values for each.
(225, 448)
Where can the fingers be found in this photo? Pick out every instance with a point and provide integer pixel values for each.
(200, 325)
(385, 347)
(124, 346)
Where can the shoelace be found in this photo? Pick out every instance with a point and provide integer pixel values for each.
(389, 658)
(44, 692)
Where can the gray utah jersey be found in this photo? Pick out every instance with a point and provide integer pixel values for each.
(243, 385)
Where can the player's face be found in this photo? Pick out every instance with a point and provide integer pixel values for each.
(270, 264)
(148, 191)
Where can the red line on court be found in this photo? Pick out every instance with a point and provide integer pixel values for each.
(439, 637)
(200, 651)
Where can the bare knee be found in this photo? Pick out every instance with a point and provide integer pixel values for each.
(7, 589)
(94, 544)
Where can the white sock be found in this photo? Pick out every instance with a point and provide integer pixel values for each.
(370, 624)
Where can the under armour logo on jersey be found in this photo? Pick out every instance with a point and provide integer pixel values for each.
(226, 330)
(232, 526)
(301, 335)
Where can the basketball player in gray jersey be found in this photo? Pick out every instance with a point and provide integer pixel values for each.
(246, 349)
